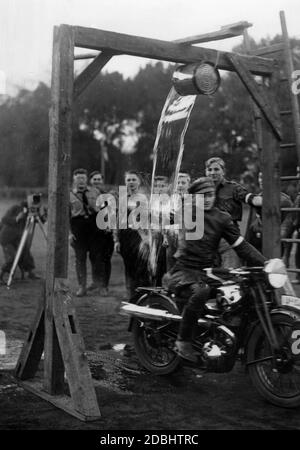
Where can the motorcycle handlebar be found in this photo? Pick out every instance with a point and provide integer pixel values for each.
(239, 271)
(217, 271)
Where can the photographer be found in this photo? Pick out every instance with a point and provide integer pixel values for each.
(11, 229)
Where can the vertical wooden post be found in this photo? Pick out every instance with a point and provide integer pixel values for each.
(271, 214)
(58, 195)
(288, 57)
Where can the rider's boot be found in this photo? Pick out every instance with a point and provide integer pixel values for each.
(183, 345)
(185, 351)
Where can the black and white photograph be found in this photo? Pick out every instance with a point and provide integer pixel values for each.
(149, 218)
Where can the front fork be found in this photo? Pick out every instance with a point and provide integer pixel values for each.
(264, 316)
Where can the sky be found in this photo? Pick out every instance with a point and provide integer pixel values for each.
(26, 28)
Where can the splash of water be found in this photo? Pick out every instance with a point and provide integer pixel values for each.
(167, 157)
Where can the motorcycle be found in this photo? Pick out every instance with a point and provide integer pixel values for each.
(245, 319)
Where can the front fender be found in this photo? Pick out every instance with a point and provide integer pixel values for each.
(289, 311)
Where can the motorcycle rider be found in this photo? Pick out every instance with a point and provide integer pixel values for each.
(187, 278)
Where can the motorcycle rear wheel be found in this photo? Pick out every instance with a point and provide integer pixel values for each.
(280, 385)
(154, 348)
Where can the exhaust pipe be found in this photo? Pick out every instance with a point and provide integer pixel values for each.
(145, 312)
(130, 309)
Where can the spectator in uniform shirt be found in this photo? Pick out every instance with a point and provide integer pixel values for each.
(230, 197)
(104, 243)
(290, 225)
(84, 230)
(183, 184)
(159, 206)
(128, 241)
(254, 232)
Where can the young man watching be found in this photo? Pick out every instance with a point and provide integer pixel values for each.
(83, 228)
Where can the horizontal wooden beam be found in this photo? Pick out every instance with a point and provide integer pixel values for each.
(85, 56)
(163, 50)
(268, 50)
(91, 71)
(225, 32)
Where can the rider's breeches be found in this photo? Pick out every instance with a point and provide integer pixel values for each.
(198, 295)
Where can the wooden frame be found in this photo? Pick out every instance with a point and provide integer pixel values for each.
(56, 328)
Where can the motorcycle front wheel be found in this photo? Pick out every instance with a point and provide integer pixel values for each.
(154, 340)
(276, 378)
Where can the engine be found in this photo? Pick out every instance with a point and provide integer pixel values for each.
(227, 296)
(220, 349)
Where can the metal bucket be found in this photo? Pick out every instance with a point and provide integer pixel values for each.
(197, 78)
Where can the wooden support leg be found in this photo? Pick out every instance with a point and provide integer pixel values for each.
(69, 357)
(72, 347)
(53, 363)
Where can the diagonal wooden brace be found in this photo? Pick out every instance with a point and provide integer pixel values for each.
(33, 347)
(256, 92)
(92, 70)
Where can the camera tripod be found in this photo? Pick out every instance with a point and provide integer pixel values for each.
(33, 218)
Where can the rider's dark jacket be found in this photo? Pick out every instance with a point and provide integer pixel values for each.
(200, 253)
(229, 198)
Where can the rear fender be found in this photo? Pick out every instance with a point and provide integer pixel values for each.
(144, 297)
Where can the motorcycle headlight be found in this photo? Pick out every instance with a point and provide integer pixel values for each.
(276, 273)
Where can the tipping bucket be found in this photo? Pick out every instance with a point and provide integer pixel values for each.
(196, 78)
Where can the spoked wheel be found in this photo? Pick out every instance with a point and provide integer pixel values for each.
(154, 340)
(277, 378)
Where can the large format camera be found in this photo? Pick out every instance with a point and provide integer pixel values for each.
(34, 202)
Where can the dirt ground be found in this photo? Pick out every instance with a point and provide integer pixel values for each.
(129, 397)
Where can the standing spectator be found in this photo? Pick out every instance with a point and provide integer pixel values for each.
(290, 225)
(159, 238)
(11, 230)
(183, 184)
(128, 241)
(96, 181)
(296, 227)
(83, 229)
(104, 243)
(229, 198)
(254, 232)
